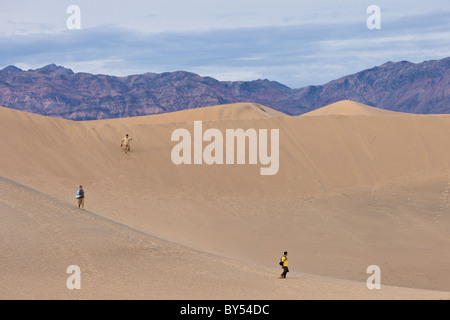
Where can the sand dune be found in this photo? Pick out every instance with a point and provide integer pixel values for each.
(349, 108)
(237, 111)
(351, 192)
(38, 244)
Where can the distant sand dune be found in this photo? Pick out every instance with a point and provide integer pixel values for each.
(238, 111)
(356, 187)
(349, 108)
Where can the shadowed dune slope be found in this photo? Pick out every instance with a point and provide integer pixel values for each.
(39, 243)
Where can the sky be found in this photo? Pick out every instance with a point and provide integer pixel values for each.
(294, 42)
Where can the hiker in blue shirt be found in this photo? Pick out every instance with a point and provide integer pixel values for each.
(80, 197)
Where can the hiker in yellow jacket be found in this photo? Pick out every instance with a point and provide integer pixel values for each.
(284, 261)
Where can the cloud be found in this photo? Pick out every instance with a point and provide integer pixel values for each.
(295, 55)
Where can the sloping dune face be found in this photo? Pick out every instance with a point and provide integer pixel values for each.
(41, 243)
(351, 191)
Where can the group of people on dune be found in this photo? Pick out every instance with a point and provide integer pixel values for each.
(125, 144)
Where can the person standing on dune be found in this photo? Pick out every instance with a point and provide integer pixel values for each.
(80, 197)
(284, 265)
(126, 143)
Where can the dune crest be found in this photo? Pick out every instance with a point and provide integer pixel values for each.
(236, 111)
(349, 108)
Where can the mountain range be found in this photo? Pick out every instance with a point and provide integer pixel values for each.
(422, 88)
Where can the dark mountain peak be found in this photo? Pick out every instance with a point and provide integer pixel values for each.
(262, 85)
(12, 69)
(443, 63)
(179, 75)
(395, 65)
(273, 83)
(54, 69)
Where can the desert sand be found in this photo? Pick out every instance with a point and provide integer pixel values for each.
(357, 186)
